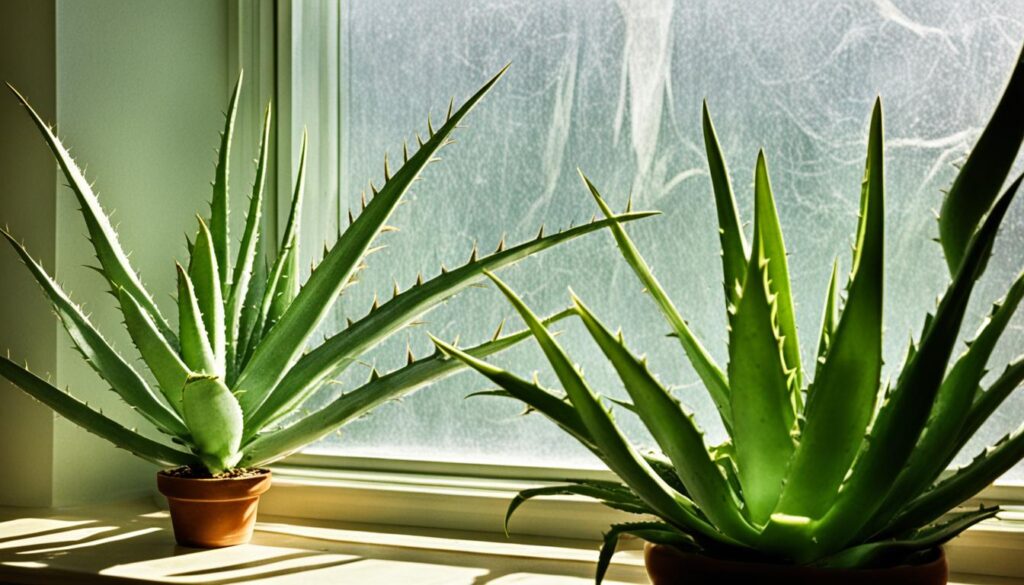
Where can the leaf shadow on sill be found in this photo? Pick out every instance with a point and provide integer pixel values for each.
(141, 548)
(138, 548)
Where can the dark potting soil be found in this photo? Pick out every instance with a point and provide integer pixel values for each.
(188, 472)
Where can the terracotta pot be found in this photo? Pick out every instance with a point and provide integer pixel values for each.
(667, 565)
(209, 513)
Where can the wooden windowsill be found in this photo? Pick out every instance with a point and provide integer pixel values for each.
(132, 543)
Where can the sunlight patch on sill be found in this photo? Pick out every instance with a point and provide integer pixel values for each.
(25, 564)
(464, 546)
(74, 535)
(238, 562)
(287, 565)
(157, 515)
(24, 526)
(91, 543)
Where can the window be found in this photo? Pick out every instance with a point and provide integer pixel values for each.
(615, 88)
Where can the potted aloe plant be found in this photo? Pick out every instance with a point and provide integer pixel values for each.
(835, 479)
(224, 381)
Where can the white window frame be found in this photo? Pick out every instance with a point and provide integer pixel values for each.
(461, 496)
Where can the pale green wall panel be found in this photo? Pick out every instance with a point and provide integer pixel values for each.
(141, 86)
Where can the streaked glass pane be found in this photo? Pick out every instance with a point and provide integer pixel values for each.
(615, 88)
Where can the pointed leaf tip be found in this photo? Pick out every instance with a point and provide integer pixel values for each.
(978, 182)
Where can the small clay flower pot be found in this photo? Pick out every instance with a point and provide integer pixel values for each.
(668, 565)
(213, 512)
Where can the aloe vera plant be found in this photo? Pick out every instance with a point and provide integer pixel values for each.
(838, 470)
(237, 364)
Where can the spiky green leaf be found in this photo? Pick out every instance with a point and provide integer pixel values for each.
(287, 339)
(675, 431)
(123, 379)
(768, 238)
(763, 417)
(982, 174)
(902, 417)
(117, 269)
(80, 414)
(204, 273)
(282, 284)
(286, 290)
(246, 261)
(654, 532)
(219, 203)
(342, 349)
(893, 552)
(620, 455)
(618, 499)
(710, 374)
(842, 398)
(989, 400)
(830, 314)
(730, 232)
(214, 417)
(161, 359)
(195, 343)
(961, 485)
(555, 408)
(533, 395)
(937, 447)
(274, 444)
(248, 334)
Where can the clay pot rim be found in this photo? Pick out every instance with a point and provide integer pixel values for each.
(261, 473)
(213, 489)
(936, 556)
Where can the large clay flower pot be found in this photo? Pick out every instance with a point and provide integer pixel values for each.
(213, 512)
(667, 565)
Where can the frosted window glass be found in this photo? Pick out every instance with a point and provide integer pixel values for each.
(615, 88)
